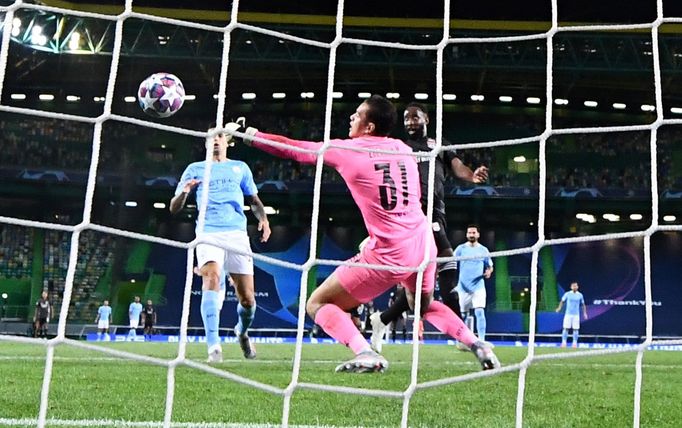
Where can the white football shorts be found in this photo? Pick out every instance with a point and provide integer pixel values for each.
(572, 321)
(229, 261)
(473, 300)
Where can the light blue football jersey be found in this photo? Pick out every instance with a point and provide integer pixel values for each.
(471, 271)
(230, 182)
(104, 313)
(573, 302)
(134, 310)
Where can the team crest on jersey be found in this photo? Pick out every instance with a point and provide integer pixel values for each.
(236, 169)
(431, 143)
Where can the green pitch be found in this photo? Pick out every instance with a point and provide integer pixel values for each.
(595, 391)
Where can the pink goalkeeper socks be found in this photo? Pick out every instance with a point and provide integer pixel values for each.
(446, 321)
(337, 323)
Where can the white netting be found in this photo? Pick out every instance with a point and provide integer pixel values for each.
(312, 261)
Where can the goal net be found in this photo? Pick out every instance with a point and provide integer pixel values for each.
(432, 46)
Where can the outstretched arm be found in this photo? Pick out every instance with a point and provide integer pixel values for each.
(464, 173)
(561, 305)
(309, 158)
(258, 211)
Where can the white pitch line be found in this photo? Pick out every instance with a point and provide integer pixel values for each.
(124, 360)
(145, 424)
(335, 361)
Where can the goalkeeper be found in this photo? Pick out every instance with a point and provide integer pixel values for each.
(385, 186)
(416, 120)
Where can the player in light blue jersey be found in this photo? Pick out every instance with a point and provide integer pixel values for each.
(574, 299)
(477, 267)
(102, 320)
(231, 185)
(134, 311)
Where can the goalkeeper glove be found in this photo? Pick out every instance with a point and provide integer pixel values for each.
(239, 125)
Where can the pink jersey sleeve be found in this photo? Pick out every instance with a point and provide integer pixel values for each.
(385, 186)
(330, 156)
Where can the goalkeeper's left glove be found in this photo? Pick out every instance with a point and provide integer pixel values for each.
(239, 125)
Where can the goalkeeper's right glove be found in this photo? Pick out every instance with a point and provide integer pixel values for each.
(239, 125)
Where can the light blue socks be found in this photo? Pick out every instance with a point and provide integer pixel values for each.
(480, 322)
(246, 316)
(210, 314)
(564, 336)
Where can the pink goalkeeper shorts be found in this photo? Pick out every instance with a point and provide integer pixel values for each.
(364, 284)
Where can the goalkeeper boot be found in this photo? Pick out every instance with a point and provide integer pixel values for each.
(364, 362)
(486, 356)
(245, 343)
(462, 347)
(378, 331)
(215, 354)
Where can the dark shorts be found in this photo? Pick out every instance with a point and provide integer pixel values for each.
(439, 227)
(41, 321)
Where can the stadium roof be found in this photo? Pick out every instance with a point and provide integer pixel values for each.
(604, 11)
(585, 64)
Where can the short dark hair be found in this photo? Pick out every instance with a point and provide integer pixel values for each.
(474, 226)
(382, 114)
(419, 106)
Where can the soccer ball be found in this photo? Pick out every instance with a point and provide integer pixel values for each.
(161, 95)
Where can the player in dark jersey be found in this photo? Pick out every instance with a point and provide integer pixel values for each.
(42, 316)
(401, 320)
(148, 319)
(416, 120)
